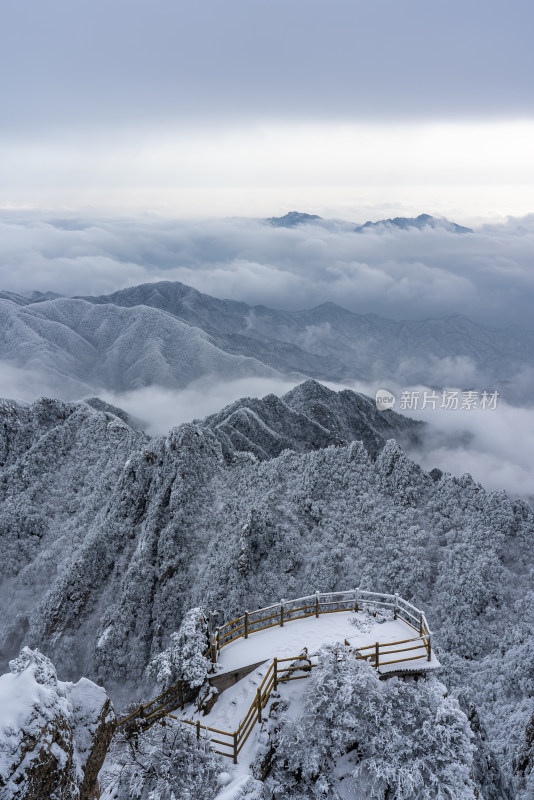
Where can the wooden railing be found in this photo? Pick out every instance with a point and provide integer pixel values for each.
(314, 605)
(278, 615)
(280, 670)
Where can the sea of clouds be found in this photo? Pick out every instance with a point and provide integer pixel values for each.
(412, 274)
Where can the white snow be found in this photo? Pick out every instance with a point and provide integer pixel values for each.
(19, 695)
(233, 703)
(313, 633)
(31, 697)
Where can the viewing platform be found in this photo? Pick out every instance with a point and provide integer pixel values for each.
(280, 643)
(386, 630)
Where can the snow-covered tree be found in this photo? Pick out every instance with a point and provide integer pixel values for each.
(163, 763)
(184, 659)
(385, 739)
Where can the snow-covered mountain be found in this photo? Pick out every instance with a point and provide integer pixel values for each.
(108, 537)
(421, 221)
(294, 218)
(309, 417)
(170, 334)
(53, 735)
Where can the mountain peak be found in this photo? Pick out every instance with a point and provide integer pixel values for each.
(420, 222)
(291, 219)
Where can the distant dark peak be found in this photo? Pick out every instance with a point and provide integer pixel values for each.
(70, 224)
(41, 297)
(422, 221)
(291, 219)
(14, 298)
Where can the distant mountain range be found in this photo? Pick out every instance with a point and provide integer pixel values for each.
(170, 334)
(294, 218)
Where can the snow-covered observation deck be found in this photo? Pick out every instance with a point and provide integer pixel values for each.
(386, 630)
(391, 634)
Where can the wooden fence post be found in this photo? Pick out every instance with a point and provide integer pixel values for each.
(396, 606)
(429, 650)
(377, 652)
(258, 700)
(275, 674)
(218, 635)
(281, 613)
(181, 692)
(356, 600)
(246, 624)
(198, 729)
(421, 624)
(235, 747)
(317, 604)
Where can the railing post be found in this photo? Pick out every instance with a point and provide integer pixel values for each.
(421, 623)
(429, 650)
(357, 600)
(218, 635)
(181, 692)
(377, 653)
(396, 606)
(246, 624)
(198, 729)
(213, 649)
(317, 604)
(275, 674)
(258, 700)
(235, 747)
(281, 613)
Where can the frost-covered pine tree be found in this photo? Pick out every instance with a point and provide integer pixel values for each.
(163, 763)
(385, 739)
(184, 659)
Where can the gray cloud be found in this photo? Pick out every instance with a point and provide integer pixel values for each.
(127, 61)
(411, 274)
(495, 446)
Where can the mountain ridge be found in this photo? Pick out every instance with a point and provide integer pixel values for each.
(170, 334)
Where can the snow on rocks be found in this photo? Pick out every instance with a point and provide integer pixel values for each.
(53, 735)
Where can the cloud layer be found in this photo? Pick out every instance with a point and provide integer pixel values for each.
(410, 274)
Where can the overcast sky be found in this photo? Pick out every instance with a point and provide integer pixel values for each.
(249, 107)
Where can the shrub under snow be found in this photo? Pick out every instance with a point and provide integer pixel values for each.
(398, 739)
(163, 763)
(184, 659)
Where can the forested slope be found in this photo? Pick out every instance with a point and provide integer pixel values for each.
(108, 537)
